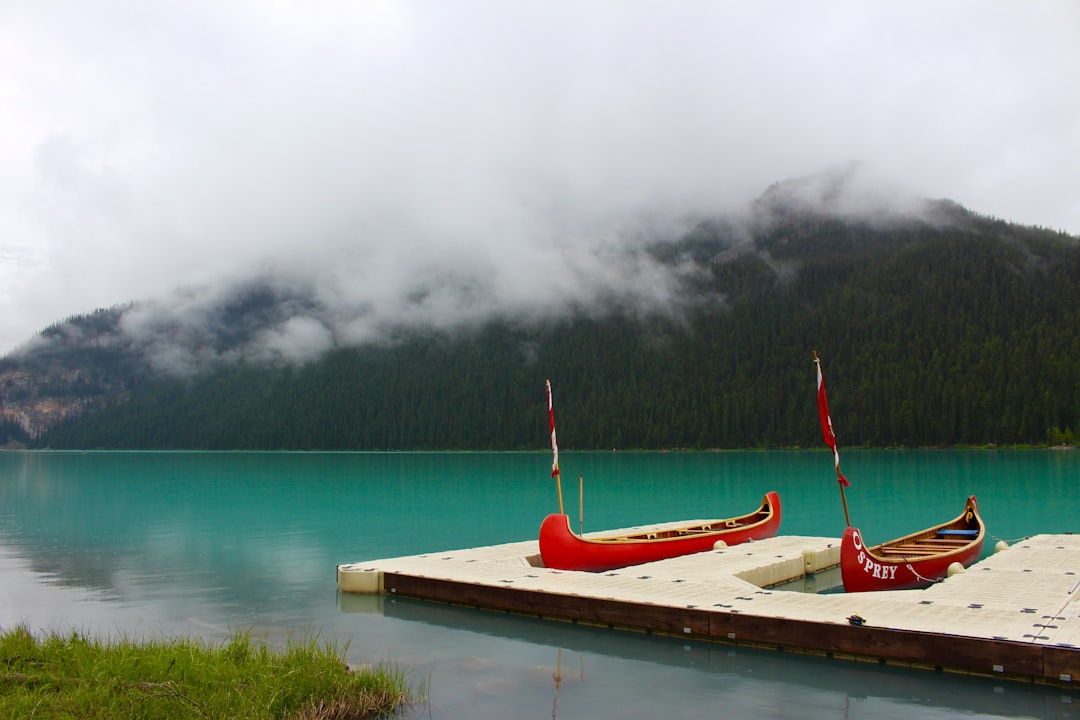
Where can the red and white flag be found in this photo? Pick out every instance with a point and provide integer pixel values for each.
(826, 424)
(554, 443)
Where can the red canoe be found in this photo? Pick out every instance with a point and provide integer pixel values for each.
(915, 560)
(561, 549)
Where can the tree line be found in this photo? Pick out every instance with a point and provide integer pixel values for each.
(966, 335)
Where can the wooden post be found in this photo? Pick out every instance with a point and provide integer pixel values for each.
(581, 501)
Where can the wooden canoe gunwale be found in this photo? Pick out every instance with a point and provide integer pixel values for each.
(562, 549)
(927, 541)
(743, 522)
(915, 560)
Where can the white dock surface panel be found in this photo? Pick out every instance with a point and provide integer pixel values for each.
(1028, 593)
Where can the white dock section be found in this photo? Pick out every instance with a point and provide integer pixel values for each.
(1026, 595)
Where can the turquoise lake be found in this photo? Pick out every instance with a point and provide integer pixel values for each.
(203, 544)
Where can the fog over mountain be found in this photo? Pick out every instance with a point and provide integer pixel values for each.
(276, 314)
(386, 165)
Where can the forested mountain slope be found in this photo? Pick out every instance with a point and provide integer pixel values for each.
(935, 330)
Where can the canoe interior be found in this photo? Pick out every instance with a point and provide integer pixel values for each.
(760, 515)
(959, 534)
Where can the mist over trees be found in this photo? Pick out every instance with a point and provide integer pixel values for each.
(942, 331)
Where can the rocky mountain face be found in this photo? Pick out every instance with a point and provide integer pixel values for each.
(71, 368)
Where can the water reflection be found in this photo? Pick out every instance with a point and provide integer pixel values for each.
(692, 678)
(829, 580)
(557, 678)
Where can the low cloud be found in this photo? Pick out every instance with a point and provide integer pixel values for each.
(424, 163)
(297, 340)
(294, 315)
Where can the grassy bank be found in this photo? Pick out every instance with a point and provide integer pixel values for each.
(74, 676)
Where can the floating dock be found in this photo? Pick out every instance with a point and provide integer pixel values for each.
(1013, 615)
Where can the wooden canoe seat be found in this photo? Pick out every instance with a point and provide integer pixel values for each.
(908, 551)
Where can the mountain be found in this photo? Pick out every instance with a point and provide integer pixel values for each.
(936, 326)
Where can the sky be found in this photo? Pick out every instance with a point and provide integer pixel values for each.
(438, 161)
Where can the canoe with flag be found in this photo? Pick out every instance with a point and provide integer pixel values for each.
(912, 561)
(562, 549)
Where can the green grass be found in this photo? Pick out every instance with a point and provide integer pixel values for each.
(74, 676)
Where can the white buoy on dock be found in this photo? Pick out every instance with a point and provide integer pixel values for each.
(955, 569)
(1001, 545)
(719, 545)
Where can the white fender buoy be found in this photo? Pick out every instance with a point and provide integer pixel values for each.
(719, 545)
(955, 569)
(1001, 545)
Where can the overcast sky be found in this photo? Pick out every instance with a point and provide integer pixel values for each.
(374, 147)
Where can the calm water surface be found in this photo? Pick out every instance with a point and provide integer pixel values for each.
(152, 544)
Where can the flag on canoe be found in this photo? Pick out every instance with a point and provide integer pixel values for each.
(554, 443)
(826, 423)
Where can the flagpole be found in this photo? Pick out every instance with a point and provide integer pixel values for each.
(830, 436)
(555, 450)
(558, 489)
(843, 501)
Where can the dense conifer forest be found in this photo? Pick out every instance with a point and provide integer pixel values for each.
(931, 334)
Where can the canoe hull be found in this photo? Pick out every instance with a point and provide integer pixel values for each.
(561, 549)
(911, 562)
